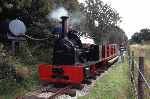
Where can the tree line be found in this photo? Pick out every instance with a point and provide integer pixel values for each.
(142, 36)
(107, 19)
(33, 13)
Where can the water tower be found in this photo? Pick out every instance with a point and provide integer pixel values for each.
(17, 31)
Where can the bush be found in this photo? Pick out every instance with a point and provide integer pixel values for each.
(6, 70)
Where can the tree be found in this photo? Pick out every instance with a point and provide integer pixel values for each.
(107, 17)
(117, 35)
(11, 9)
(143, 35)
(135, 38)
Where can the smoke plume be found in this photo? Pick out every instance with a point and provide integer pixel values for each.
(57, 14)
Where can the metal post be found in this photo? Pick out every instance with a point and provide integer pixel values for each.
(140, 79)
(13, 47)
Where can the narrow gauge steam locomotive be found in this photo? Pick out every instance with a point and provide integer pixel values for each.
(73, 63)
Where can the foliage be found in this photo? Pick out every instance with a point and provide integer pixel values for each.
(114, 84)
(10, 89)
(70, 5)
(24, 8)
(117, 35)
(106, 17)
(10, 70)
(7, 86)
(7, 70)
(139, 37)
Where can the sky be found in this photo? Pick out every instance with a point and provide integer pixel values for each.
(135, 14)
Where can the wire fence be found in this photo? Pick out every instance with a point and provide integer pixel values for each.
(140, 85)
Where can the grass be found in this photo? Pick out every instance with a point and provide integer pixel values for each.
(10, 89)
(113, 85)
(136, 48)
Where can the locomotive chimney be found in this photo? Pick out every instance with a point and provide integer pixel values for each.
(64, 24)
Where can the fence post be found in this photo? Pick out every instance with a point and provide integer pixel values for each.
(129, 57)
(140, 79)
(13, 47)
(132, 66)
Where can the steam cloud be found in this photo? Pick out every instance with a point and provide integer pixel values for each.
(75, 18)
(57, 14)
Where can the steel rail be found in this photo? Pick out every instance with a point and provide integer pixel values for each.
(60, 92)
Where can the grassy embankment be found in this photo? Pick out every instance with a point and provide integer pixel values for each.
(10, 89)
(115, 84)
(26, 67)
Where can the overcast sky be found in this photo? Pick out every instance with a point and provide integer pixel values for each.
(135, 14)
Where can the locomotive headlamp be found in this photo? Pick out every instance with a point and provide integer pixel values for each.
(87, 68)
(87, 71)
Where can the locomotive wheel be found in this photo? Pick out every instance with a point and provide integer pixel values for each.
(87, 81)
(98, 74)
(94, 77)
(44, 83)
(80, 87)
(72, 94)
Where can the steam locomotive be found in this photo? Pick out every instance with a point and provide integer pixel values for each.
(73, 62)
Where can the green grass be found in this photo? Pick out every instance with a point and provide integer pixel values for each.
(10, 89)
(113, 85)
(136, 48)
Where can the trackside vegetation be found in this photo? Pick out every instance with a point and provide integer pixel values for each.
(114, 84)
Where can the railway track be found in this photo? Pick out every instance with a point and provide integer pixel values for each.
(48, 93)
(67, 92)
(61, 91)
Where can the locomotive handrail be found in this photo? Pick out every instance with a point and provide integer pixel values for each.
(36, 39)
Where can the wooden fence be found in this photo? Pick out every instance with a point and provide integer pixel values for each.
(140, 85)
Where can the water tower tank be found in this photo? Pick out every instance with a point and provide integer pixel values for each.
(17, 27)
